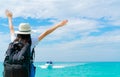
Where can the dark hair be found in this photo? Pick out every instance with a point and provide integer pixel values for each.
(25, 38)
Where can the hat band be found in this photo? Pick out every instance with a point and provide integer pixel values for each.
(25, 31)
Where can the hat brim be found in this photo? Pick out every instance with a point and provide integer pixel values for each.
(18, 32)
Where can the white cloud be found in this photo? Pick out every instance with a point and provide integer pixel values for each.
(101, 48)
(62, 9)
(115, 23)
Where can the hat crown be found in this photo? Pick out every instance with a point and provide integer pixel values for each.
(24, 27)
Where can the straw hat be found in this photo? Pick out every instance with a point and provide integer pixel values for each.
(24, 28)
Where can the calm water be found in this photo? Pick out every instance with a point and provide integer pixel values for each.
(77, 69)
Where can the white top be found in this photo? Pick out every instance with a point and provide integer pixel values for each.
(34, 40)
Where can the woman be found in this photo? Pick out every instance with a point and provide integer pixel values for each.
(24, 36)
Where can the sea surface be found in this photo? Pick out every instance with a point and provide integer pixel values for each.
(76, 69)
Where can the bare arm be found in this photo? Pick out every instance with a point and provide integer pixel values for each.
(9, 15)
(50, 30)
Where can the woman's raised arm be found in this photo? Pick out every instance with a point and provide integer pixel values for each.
(9, 15)
(50, 30)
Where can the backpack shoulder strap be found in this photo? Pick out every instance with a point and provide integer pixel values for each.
(25, 49)
(33, 54)
(9, 49)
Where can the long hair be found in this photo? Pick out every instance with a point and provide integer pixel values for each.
(24, 38)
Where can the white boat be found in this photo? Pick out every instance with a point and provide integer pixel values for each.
(49, 65)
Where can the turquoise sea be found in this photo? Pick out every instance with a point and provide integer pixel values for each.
(77, 69)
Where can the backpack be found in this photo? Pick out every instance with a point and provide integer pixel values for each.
(17, 62)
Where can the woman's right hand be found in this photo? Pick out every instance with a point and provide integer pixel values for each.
(8, 13)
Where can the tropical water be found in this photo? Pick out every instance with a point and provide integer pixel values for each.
(77, 69)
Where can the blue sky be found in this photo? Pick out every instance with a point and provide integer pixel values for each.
(92, 33)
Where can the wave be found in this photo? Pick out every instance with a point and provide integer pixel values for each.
(55, 66)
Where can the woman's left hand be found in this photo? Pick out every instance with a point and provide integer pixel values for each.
(62, 23)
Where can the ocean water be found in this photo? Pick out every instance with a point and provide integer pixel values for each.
(77, 69)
